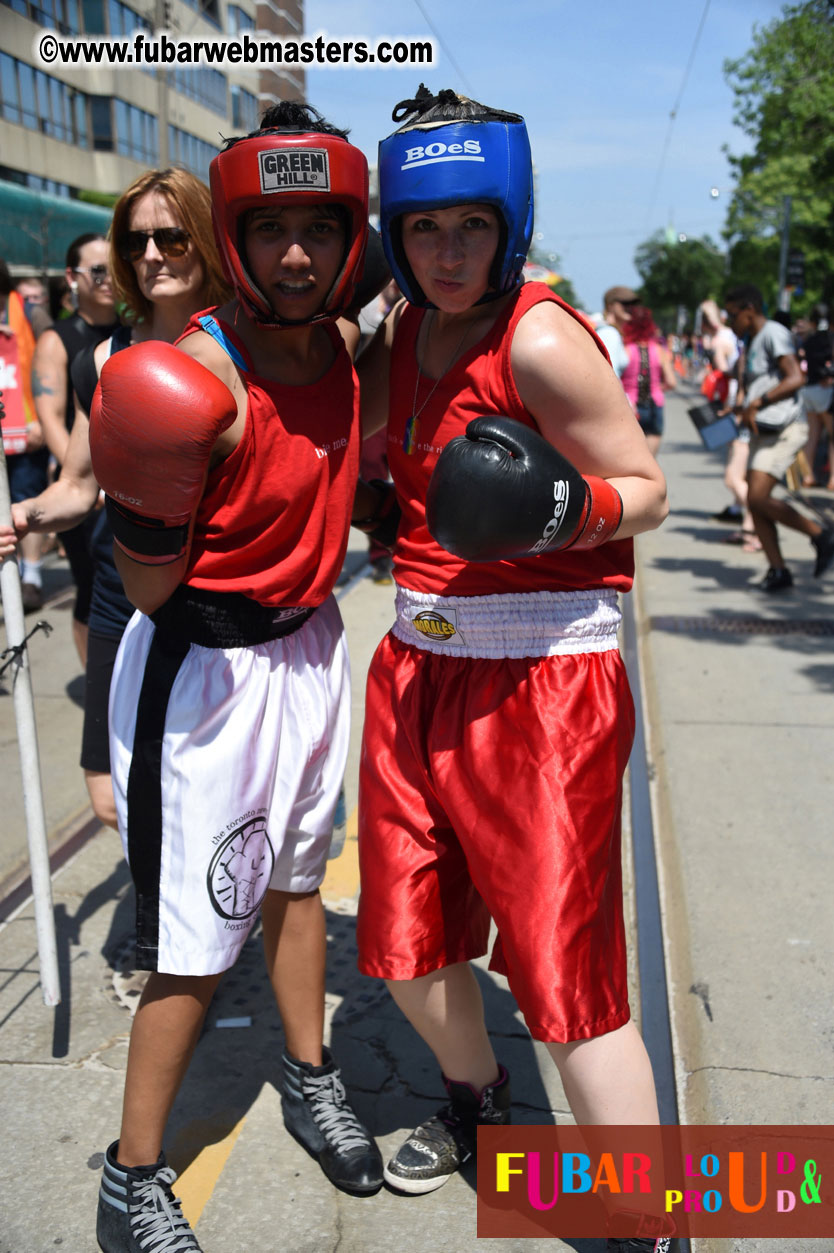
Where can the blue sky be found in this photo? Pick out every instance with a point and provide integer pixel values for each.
(596, 84)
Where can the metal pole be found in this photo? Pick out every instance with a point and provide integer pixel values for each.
(27, 740)
(162, 21)
(784, 294)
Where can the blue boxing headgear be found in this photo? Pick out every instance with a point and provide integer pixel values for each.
(435, 165)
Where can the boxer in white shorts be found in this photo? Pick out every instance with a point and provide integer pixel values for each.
(230, 468)
(216, 824)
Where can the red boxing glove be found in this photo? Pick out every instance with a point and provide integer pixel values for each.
(155, 418)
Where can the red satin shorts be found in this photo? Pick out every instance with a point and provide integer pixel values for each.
(493, 788)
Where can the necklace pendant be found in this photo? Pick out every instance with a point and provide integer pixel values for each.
(412, 426)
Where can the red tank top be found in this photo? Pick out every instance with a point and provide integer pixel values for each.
(274, 520)
(480, 384)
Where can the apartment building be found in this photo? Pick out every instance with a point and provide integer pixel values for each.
(66, 133)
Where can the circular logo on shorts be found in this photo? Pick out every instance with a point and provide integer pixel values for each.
(427, 622)
(241, 869)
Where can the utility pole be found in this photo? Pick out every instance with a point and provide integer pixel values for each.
(784, 294)
(162, 21)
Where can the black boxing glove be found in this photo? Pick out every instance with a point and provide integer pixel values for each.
(383, 524)
(502, 491)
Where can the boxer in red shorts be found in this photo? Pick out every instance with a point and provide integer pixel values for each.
(499, 719)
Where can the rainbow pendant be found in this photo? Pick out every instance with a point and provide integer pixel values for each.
(410, 436)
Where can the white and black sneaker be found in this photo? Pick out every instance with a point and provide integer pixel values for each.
(440, 1146)
(138, 1212)
(640, 1244)
(317, 1113)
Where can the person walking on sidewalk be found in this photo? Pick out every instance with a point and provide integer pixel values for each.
(770, 405)
(27, 457)
(230, 466)
(648, 375)
(498, 716)
(618, 303)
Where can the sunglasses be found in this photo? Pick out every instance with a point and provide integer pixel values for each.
(171, 241)
(98, 273)
(629, 304)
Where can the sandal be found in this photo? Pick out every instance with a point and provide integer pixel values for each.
(752, 543)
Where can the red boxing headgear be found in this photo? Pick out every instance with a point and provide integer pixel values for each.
(286, 168)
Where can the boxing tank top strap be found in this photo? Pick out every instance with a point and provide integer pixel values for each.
(227, 340)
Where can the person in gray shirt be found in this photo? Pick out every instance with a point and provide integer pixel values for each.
(618, 302)
(770, 406)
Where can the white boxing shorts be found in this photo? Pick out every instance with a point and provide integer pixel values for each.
(227, 765)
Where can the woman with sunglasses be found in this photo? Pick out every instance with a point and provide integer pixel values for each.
(94, 319)
(165, 267)
(498, 716)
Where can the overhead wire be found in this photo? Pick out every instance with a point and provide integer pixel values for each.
(674, 113)
(444, 46)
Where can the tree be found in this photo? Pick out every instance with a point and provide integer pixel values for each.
(551, 261)
(784, 101)
(678, 272)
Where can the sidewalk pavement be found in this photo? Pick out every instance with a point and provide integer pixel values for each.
(736, 693)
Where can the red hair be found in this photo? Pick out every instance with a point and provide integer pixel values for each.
(641, 327)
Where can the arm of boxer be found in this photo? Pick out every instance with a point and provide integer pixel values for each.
(49, 391)
(502, 491)
(580, 408)
(373, 370)
(156, 416)
(376, 511)
(148, 587)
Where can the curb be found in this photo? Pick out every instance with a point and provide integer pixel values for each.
(16, 888)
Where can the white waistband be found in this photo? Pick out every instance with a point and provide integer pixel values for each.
(524, 624)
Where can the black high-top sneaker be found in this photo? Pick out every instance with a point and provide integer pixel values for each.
(440, 1146)
(138, 1212)
(640, 1244)
(317, 1113)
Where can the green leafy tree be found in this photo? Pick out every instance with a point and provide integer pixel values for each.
(784, 101)
(551, 261)
(105, 198)
(679, 272)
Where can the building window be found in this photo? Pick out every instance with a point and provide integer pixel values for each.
(123, 21)
(36, 183)
(209, 9)
(136, 132)
(205, 85)
(60, 15)
(195, 154)
(40, 102)
(9, 98)
(244, 110)
(237, 20)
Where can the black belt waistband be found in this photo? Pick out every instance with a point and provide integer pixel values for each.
(224, 619)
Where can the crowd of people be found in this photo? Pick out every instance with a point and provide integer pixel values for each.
(775, 377)
(205, 449)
